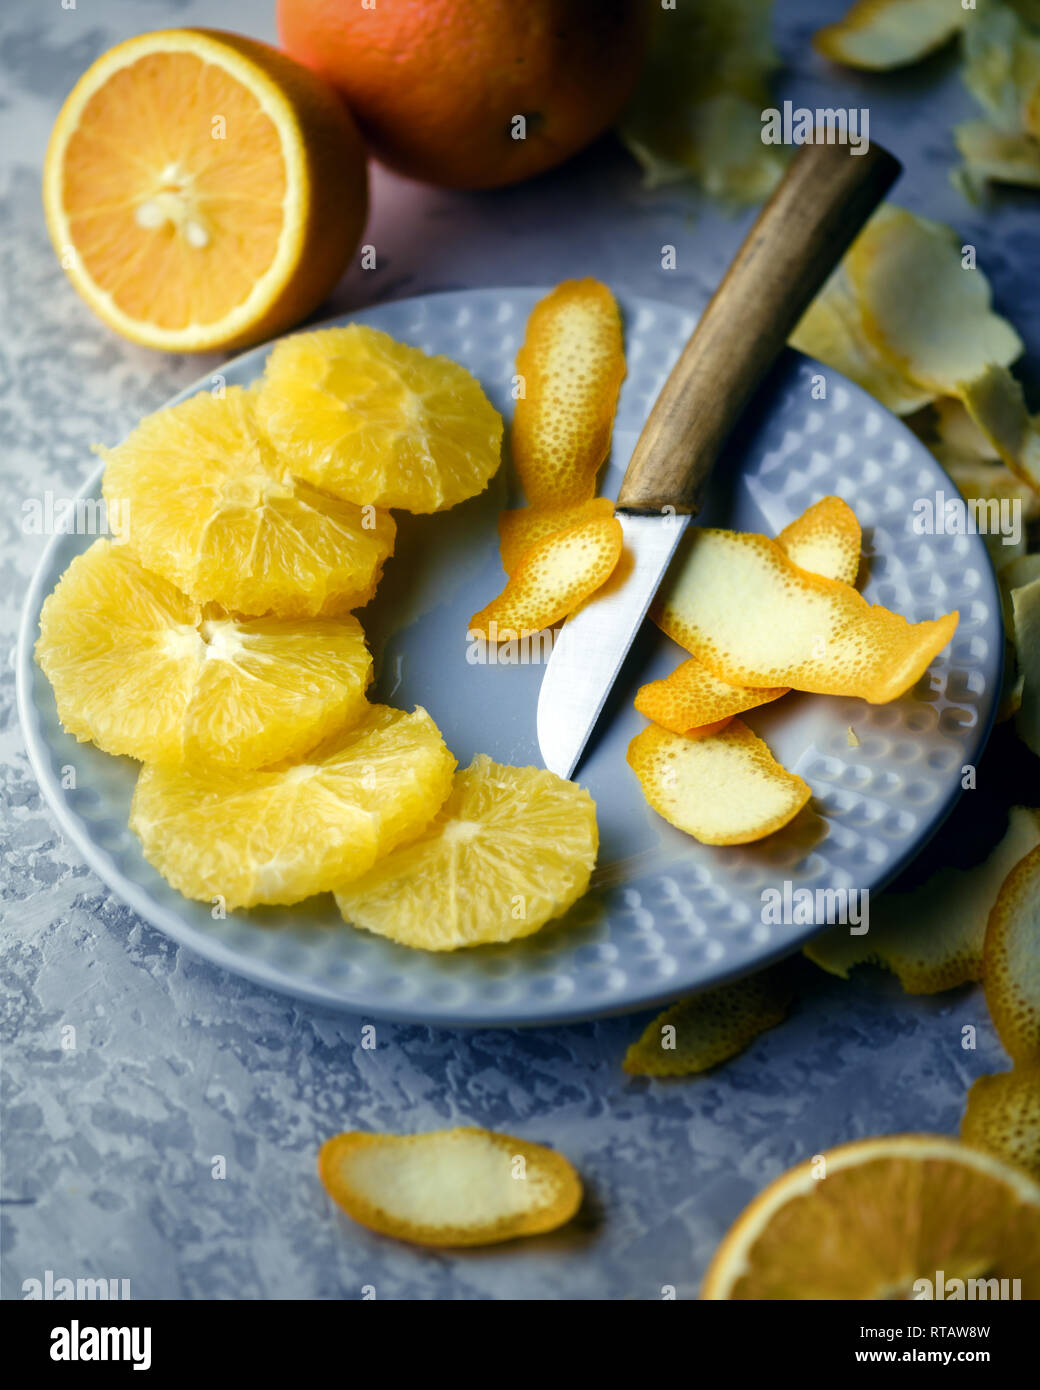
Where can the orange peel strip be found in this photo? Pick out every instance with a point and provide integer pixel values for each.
(554, 577)
(882, 34)
(1011, 961)
(996, 405)
(522, 529)
(1002, 1117)
(699, 1033)
(754, 618)
(450, 1187)
(572, 364)
(826, 540)
(932, 937)
(725, 789)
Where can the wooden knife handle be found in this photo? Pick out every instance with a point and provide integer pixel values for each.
(797, 240)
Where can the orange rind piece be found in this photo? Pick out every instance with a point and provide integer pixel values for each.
(1011, 961)
(738, 604)
(215, 510)
(826, 540)
(699, 1033)
(553, 579)
(872, 1219)
(1002, 1117)
(691, 699)
(932, 937)
(571, 366)
(997, 407)
(882, 34)
(520, 530)
(723, 789)
(1025, 607)
(449, 1187)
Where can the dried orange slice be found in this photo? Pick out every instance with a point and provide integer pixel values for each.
(1002, 1117)
(890, 33)
(740, 606)
(553, 579)
(699, 1033)
(377, 421)
(511, 848)
(1011, 961)
(723, 789)
(279, 834)
(217, 512)
(932, 937)
(449, 1187)
(522, 529)
(571, 366)
(203, 190)
(142, 670)
(886, 1218)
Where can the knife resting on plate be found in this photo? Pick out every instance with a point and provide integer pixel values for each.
(798, 238)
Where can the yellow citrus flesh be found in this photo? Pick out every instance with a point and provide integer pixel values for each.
(142, 670)
(451, 1187)
(203, 190)
(869, 1219)
(216, 511)
(377, 421)
(279, 834)
(511, 848)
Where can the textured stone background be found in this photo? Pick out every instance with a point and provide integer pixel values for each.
(107, 1149)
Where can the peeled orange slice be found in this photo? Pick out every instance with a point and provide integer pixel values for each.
(216, 511)
(449, 1187)
(869, 1220)
(723, 788)
(571, 366)
(523, 528)
(1002, 1117)
(553, 579)
(142, 670)
(1011, 961)
(740, 606)
(511, 848)
(377, 421)
(279, 834)
(699, 1033)
(203, 190)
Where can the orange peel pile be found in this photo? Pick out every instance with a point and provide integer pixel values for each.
(699, 1033)
(449, 1187)
(571, 366)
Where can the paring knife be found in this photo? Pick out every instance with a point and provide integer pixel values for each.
(797, 240)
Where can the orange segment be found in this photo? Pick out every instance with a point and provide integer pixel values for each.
(724, 788)
(869, 1220)
(521, 530)
(553, 579)
(740, 606)
(202, 189)
(449, 1187)
(571, 364)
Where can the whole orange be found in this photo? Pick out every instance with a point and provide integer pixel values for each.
(473, 93)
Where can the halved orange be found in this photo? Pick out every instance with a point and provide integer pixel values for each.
(203, 190)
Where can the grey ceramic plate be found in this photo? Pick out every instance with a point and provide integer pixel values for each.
(667, 915)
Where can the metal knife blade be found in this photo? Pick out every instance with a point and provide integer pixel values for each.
(593, 643)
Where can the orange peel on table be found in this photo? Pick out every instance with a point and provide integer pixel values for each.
(140, 669)
(882, 34)
(871, 1219)
(1011, 961)
(521, 529)
(449, 1187)
(725, 788)
(215, 510)
(377, 421)
(699, 1033)
(571, 364)
(738, 604)
(825, 539)
(931, 938)
(553, 579)
(1002, 1117)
